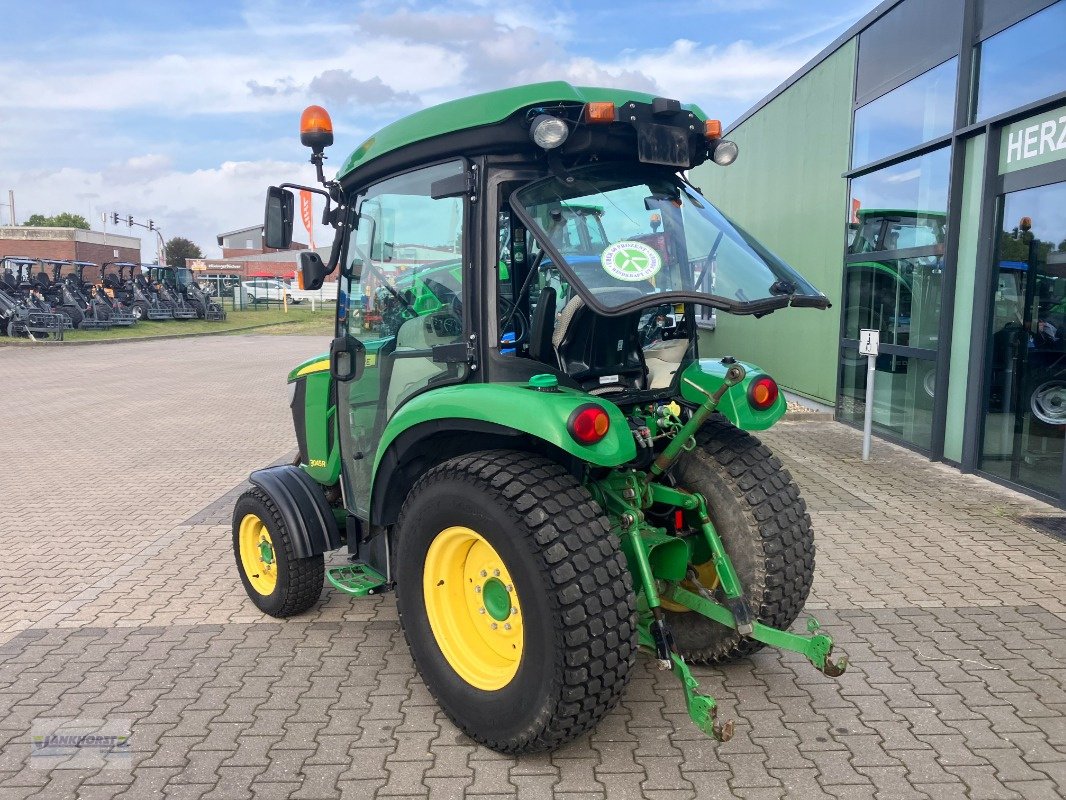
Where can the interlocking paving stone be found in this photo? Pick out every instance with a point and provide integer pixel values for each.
(120, 600)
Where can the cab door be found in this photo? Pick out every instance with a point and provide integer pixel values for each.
(401, 295)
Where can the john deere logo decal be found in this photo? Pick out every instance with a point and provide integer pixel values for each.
(630, 261)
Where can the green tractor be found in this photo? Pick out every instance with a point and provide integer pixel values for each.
(524, 444)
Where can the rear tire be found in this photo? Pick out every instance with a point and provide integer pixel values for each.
(763, 522)
(280, 585)
(572, 599)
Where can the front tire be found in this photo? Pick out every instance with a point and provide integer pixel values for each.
(515, 600)
(763, 522)
(279, 583)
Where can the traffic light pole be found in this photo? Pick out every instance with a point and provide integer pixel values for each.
(151, 226)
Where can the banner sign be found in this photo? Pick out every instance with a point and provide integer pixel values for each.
(307, 213)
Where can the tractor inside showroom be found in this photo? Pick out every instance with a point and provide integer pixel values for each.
(525, 444)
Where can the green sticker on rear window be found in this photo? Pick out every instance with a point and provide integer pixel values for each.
(631, 261)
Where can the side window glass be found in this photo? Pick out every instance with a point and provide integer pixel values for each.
(407, 254)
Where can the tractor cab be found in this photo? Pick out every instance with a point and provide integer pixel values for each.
(514, 427)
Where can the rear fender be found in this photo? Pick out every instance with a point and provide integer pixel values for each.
(492, 415)
(708, 374)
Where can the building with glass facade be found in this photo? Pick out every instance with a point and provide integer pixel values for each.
(915, 171)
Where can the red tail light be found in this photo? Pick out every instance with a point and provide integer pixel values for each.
(588, 424)
(762, 393)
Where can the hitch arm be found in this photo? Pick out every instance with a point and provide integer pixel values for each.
(702, 709)
(816, 648)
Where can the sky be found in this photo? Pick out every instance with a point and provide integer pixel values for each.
(184, 112)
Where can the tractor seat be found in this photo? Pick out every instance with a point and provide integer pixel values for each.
(603, 354)
(9, 280)
(43, 281)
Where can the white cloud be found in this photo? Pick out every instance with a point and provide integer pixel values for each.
(197, 204)
(369, 66)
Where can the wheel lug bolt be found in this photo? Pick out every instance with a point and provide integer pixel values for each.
(495, 626)
(514, 610)
(481, 610)
(484, 574)
(477, 589)
(510, 588)
(507, 626)
(496, 572)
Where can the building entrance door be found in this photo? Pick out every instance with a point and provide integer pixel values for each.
(1025, 402)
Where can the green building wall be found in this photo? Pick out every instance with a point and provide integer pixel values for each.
(795, 147)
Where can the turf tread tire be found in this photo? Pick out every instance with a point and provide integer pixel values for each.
(300, 586)
(588, 585)
(770, 540)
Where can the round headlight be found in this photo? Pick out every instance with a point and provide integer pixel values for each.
(548, 132)
(725, 153)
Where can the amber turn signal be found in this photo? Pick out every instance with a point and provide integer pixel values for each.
(712, 129)
(599, 113)
(316, 128)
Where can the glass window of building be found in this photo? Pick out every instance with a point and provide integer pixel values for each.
(910, 39)
(919, 110)
(893, 273)
(1025, 404)
(918, 185)
(1022, 64)
(903, 395)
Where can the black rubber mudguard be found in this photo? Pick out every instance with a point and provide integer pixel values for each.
(303, 507)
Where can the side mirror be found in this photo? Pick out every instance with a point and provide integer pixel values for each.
(312, 270)
(277, 220)
(347, 357)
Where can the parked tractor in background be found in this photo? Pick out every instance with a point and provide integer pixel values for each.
(184, 281)
(162, 278)
(24, 310)
(547, 497)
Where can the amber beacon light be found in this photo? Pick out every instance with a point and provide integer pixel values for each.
(316, 128)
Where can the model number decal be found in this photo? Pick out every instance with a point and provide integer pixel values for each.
(316, 462)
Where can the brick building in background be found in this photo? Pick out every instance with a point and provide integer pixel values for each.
(244, 255)
(68, 244)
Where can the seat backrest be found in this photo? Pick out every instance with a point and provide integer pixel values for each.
(541, 347)
(600, 352)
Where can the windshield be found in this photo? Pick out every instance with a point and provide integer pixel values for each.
(645, 236)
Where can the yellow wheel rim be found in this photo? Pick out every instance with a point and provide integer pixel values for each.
(258, 557)
(473, 608)
(706, 574)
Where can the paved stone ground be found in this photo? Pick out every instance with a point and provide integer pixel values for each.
(119, 602)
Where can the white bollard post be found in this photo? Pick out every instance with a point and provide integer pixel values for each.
(869, 344)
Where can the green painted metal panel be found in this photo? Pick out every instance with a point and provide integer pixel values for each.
(516, 406)
(965, 272)
(709, 375)
(479, 110)
(786, 189)
(320, 417)
(1033, 141)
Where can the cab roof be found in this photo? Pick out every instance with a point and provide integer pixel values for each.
(482, 110)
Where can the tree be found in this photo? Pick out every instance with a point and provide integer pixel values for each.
(178, 249)
(64, 220)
